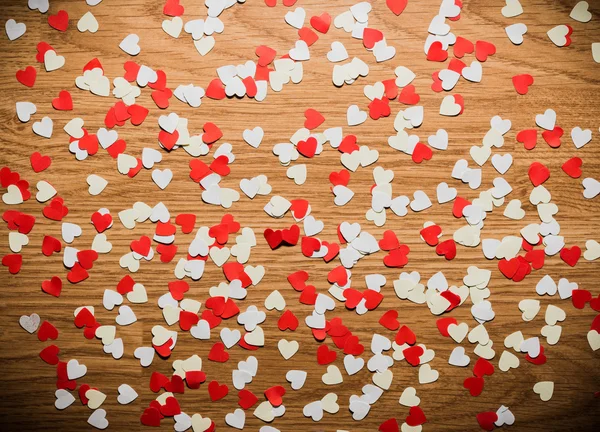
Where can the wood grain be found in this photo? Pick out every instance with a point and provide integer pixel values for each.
(566, 80)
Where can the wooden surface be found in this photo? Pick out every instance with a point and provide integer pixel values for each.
(566, 80)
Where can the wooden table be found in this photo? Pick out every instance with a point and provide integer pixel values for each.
(566, 80)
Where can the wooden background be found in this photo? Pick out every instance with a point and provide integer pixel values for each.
(566, 80)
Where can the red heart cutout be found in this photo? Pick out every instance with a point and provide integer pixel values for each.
(310, 245)
(50, 354)
(250, 85)
(443, 324)
(348, 144)
(457, 65)
(552, 137)
(338, 275)
(379, 108)
(101, 221)
(171, 407)
(395, 259)
(275, 395)
(482, 368)
(63, 102)
(77, 274)
(125, 285)
(42, 48)
(528, 138)
(38, 162)
(187, 320)
(47, 331)
(150, 417)
(60, 21)
(487, 419)
(216, 90)
(193, 379)
(484, 49)
(52, 286)
(218, 354)
(27, 76)
(221, 166)
(265, 55)
(408, 95)
(371, 36)
(211, 133)
(217, 391)
(161, 98)
(307, 148)
(580, 297)
(446, 248)
(536, 258)
(325, 356)
(462, 46)
(321, 23)
(390, 320)
(570, 255)
(340, 178)
(508, 267)
(390, 425)
(412, 354)
(50, 245)
(397, 7)
(415, 417)
(84, 318)
(522, 83)
(538, 173)
(352, 346)
(273, 238)
(247, 399)
(313, 118)
(173, 8)
(287, 321)
(178, 289)
(437, 53)
(474, 385)
(13, 262)
(291, 235)
(138, 114)
(389, 241)
(421, 152)
(141, 246)
(308, 35)
(309, 295)
(298, 280)
(405, 335)
(431, 234)
(573, 167)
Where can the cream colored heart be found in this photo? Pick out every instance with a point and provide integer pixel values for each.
(106, 333)
(45, 191)
(219, 256)
(88, 22)
(409, 397)
(508, 361)
(173, 26)
(200, 424)
(427, 375)
(297, 173)
(329, 403)
(275, 301)
(333, 376)
(592, 250)
(545, 389)
(13, 195)
(581, 13)
(95, 398)
(75, 128)
(593, 338)
(287, 348)
(514, 211)
(126, 162)
(552, 333)
(96, 184)
(383, 379)
(458, 332)
(53, 61)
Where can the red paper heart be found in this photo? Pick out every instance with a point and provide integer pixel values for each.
(390, 320)
(150, 417)
(313, 118)
(462, 46)
(371, 36)
(275, 395)
(171, 407)
(138, 114)
(287, 321)
(421, 152)
(217, 391)
(340, 178)
(50, 354)
(38, 162)
(573, 167)
(580, 297)
(265, 54)
(50, 245)
(395, 259)
(487, 419)
(308, 35)
(325, 356)
(52, 286)
(77, 274)
(446, 248)
(552, 137)
(570, 255)
(218, 354)
(390, 425)
(522, 83)
(482, 368)
(397, 7)
(60, 21)
(338, 275)
(405, 336)
(408, 96)
(321, 23)
(47, 331)
(352, 346)
(27, 76)
(309, 295)
(437, 53)
(247, 399)
(536, 258)
(474, 385)
(415, 417)
(443, 323)
(457, 65)
(431, 234)
(211, 133)
(307, 148)
(484, 49)
(538, 173)
(63, 102)
(13, 262)
(412, 354)
(508, 267)
(528, 138)
(173, 8)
